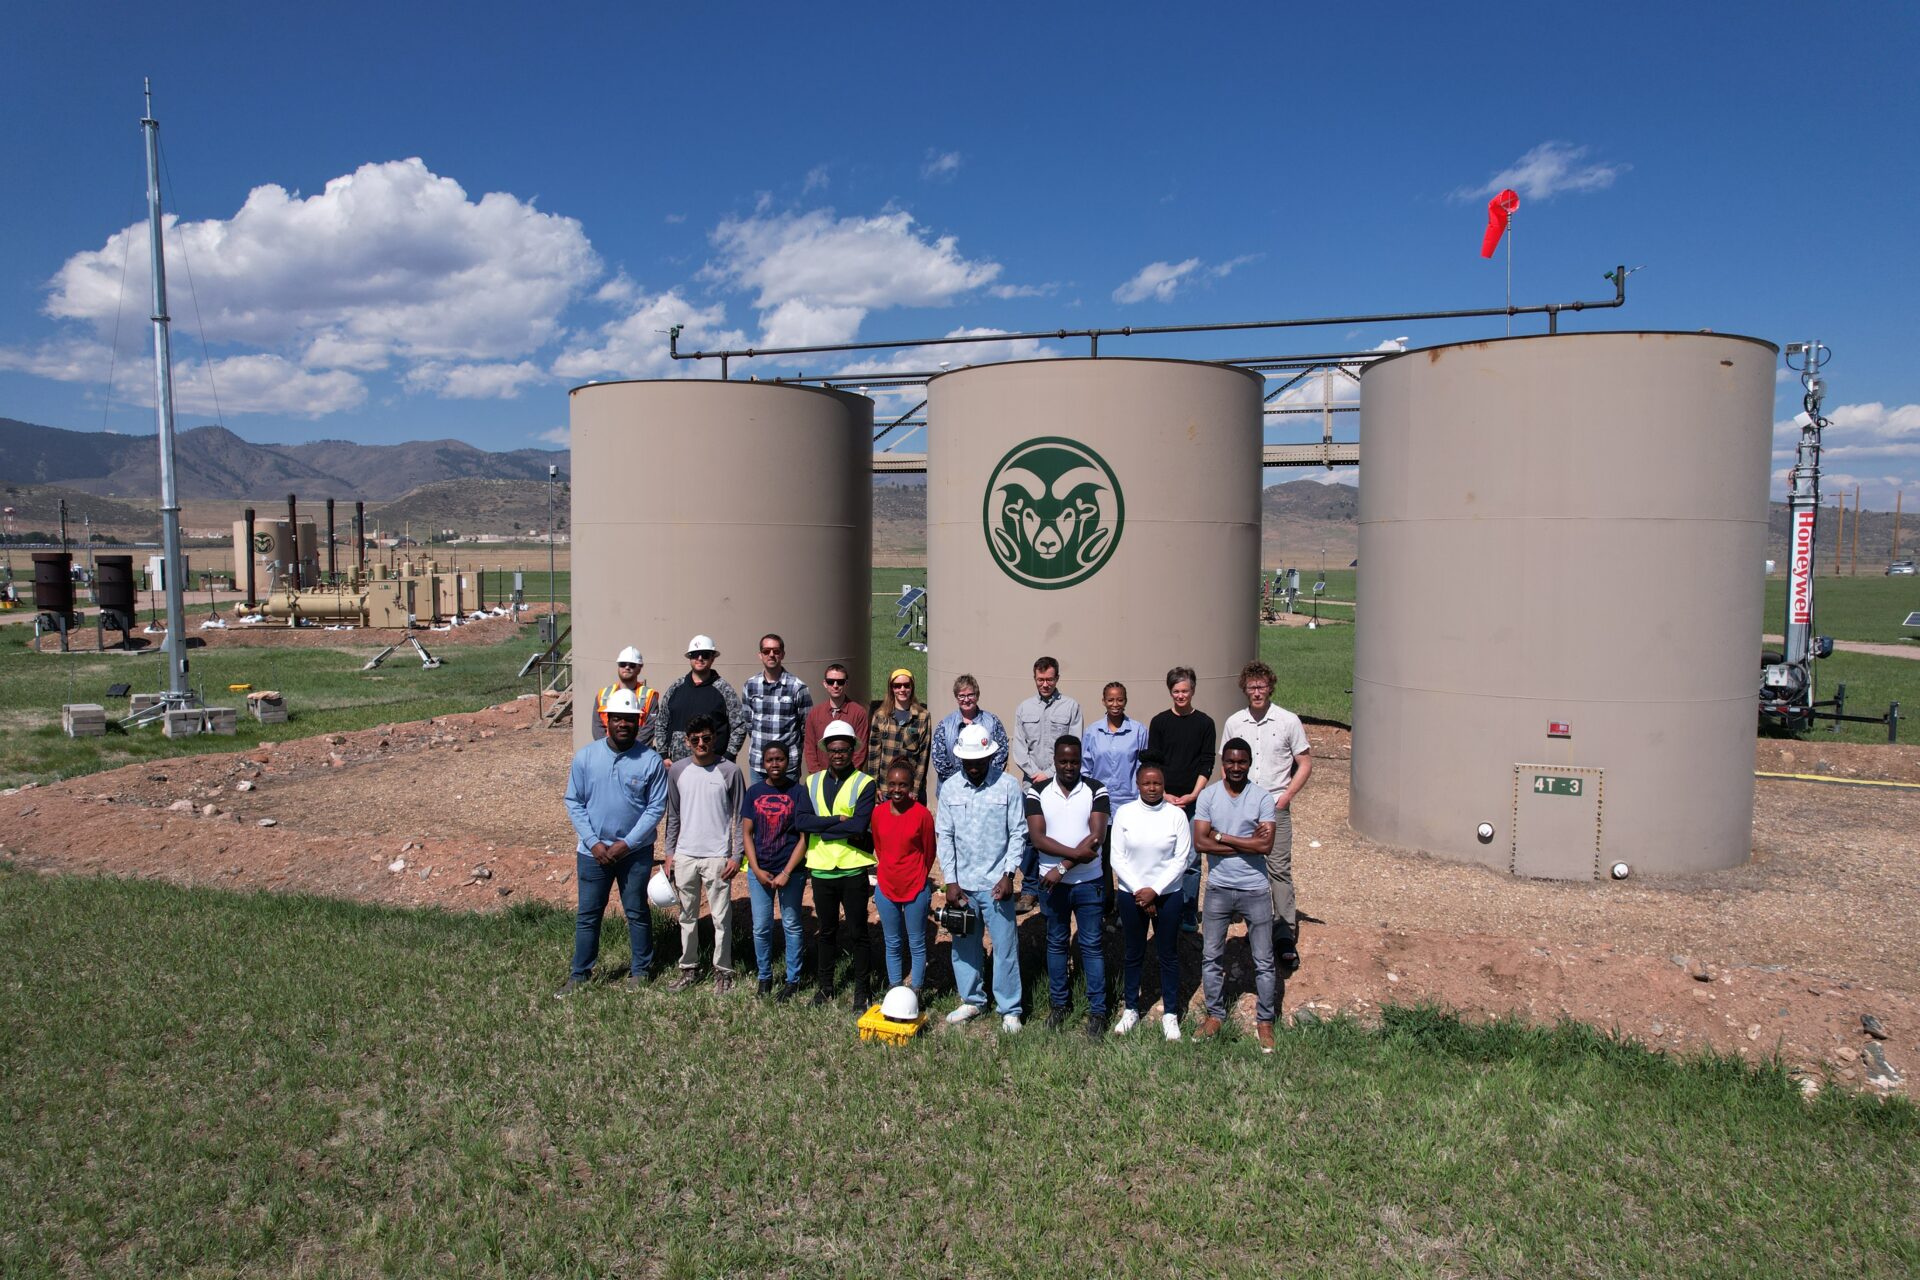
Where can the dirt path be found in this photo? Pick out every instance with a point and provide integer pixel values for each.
(1862, 646)
(1782, 955)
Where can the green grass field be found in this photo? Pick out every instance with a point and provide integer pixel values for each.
(1862, 608)
(200, 1083)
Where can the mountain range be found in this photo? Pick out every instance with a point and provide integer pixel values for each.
(213, 462)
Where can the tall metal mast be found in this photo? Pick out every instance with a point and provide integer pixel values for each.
(163, 395)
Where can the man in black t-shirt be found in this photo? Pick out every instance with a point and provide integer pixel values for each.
(701, 692)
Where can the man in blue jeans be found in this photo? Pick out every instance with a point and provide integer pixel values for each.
(979, 834)
(616, 796)
(1066, 822)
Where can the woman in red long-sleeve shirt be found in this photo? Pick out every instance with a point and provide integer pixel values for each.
(903, 846)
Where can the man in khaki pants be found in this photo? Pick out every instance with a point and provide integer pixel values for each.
(703, 849)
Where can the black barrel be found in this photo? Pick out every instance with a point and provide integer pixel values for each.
(114, 589)
(53, 581)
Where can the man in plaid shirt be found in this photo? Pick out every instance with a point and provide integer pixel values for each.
(777, 702)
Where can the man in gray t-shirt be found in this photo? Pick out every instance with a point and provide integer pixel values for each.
(1233, 824)
(703, 848)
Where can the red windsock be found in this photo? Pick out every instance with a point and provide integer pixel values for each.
(1499, 211)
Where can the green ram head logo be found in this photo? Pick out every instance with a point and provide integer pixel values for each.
(1053, 513)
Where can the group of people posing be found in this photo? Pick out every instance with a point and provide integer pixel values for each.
(1081, 822)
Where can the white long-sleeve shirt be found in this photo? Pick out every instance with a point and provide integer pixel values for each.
(1152, 845)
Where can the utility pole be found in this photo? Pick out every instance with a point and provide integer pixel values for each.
(176, 642)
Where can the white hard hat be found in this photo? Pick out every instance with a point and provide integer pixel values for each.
(630, 654)
(660, 891)
(974, 744)
(901, 1005)
(838, 729)
(701, 644)
(621, 702)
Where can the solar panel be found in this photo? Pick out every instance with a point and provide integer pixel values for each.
(903, 632)
(1913, 620)
(910, 596)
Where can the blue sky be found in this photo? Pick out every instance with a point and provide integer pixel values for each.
(423, 221)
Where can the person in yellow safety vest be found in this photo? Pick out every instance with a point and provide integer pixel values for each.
(627, 671)
(838, 826)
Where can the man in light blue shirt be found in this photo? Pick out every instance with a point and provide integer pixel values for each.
(980, 831)
(616, 795)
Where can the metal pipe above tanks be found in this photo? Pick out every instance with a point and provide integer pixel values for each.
(246, 555)
(293, 526)
(360, 536)
(333, 570)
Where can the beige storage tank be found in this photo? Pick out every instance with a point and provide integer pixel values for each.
(1103, 512)
(728, 509)
(273, 553)
(1561, 540)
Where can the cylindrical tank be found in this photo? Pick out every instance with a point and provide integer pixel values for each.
(1105, 513)
(53, 581)
(1561, 548)
(726, 509)
(113, 587)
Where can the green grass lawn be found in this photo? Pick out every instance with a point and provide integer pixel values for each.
(212, 1084)
(1862, 608)
(326, 691)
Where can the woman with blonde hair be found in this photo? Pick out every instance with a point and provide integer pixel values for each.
(899, 727)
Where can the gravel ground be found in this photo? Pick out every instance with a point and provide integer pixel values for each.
(1784, 954)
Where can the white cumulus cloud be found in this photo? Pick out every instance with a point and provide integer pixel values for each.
(390, 261)
(1157, 280)
(474, 381)
(940, 166)
(839, 269)
(1546, 171)
(634, 345)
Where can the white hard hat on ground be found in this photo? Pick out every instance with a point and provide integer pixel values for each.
(660, 891)
(902, 1004)
(838, 729)
(701, 644)
(630, 654)
(974, 744)
(621, 702)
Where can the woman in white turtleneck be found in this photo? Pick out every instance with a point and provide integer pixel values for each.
(1151, 844)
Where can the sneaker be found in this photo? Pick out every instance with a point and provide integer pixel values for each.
(686, 979)
(1028, 902)
(963, 1012)
(1287, 956)
(722, 981)
(1011, 1023)
(1096, 1026)
(862, 1000)
(1263, 1032)
(571, 985)
(637, 981)
(1170, 1025)
(1128, 1021)
(788, 990)
(1057, 1018)
(822, 997)
(765, 988)
(1189, 926)
(1209, 1028)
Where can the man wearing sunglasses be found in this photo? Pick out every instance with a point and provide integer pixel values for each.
(703, 691)
(626, 670)
(840, 706)
(777, 703)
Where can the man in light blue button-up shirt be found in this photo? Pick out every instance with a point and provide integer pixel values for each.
(980, 831)
(616, 795)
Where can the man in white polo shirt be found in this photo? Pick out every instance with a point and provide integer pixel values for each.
(1281, 764)
(1066, 822)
